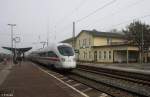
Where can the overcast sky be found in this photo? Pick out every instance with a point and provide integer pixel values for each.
(38, 19)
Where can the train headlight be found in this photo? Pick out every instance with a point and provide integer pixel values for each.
(63, 59)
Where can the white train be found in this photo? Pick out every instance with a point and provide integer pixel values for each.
(60, 56)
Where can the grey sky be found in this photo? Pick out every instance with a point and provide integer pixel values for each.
(35, 18)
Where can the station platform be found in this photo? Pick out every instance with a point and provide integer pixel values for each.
(131, 67)
(27, 80)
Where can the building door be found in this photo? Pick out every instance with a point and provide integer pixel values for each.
(95, 56)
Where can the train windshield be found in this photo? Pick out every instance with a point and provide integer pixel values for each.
(65, 50)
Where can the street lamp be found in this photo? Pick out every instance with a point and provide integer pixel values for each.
(12, 25)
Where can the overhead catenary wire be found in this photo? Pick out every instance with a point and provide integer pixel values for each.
(95, 11)
(131, 5)
(98, 9)
(141, 17)
(114, 13)
(71, 13)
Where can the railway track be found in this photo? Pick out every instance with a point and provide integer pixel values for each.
(138, 77)
(116, 83)
(102, 82)
(67, 77)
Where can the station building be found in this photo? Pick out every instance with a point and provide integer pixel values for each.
(103, 47)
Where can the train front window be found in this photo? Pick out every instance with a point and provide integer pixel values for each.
(65, 51)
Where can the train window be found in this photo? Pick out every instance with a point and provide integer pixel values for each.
(40, 54)
(43, 54)
(65, 50)
(52, 54)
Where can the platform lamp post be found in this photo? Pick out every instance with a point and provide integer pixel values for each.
(73, 35)
(16, 40)
(12, 25)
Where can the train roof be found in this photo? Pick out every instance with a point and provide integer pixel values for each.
(52, 47)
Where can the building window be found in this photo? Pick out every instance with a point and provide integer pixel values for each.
(104, 54)
(109, 54)
(89, 41)
(99, 54)
(82, 43)
(84, 55)
(79, 44)
(109, 40)
(89, 55)
(85, 43)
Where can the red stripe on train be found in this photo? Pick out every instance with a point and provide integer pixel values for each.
(50, 58)
(53, 58)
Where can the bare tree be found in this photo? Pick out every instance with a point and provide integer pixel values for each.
(138, 34)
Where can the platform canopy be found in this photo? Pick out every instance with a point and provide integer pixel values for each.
(22, 50)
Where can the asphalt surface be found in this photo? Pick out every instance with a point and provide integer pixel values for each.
(26, 80)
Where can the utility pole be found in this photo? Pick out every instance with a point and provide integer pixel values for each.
(73, 43)
(48, 31)
(12, 25)
(47, 38)
(142, 45)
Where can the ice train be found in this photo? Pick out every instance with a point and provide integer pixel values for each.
(60, 56)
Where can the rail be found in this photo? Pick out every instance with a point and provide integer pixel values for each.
(131, 82)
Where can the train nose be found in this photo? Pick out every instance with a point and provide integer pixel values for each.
(69, 65)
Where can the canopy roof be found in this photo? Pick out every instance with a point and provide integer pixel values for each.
(18, 49)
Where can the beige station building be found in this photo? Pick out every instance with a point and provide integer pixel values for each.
(103, 47)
